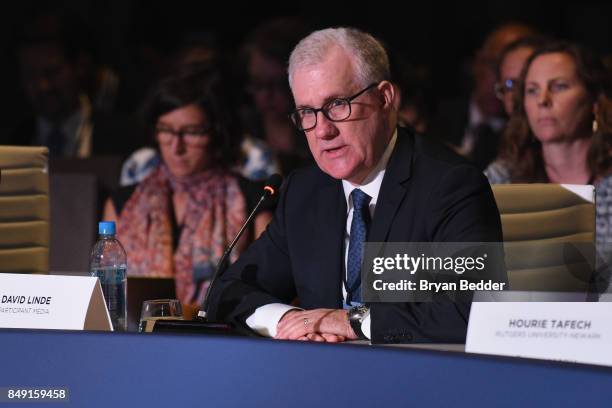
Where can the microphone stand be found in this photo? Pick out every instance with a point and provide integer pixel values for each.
(224, 262)
(202, 324)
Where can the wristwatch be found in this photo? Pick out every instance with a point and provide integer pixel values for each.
(356, 315)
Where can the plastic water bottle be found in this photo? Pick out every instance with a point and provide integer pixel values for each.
(108, 262)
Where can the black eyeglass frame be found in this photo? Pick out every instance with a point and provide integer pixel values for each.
(327, 107)
(200, 133)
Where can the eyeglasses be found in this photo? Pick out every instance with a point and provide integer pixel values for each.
(501, 88)
(336, 110)
(192, 136)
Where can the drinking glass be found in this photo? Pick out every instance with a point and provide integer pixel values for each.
(158, 309)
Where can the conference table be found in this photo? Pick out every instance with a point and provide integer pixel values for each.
(105, 369)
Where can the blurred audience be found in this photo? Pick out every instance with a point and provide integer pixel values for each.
(561, 127)
(198, 52)
(473, 125)
(509, 67)
(178, 221)
(57, 74)
(413, 84)
(266, 51)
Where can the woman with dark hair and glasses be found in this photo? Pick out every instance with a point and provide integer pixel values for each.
(179, 219)
(561, 127)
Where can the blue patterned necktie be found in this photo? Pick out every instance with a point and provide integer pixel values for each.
(359, 233)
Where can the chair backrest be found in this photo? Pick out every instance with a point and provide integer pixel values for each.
(107, 169)
(78, 188)
(543, 226)
(24, 210)
(74, 212)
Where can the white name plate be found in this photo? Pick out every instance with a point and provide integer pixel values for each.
(52, 302)
(566, 331)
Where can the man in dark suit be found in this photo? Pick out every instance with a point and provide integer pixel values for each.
(372, 181)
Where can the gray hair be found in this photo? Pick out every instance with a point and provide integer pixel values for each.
(370, 60)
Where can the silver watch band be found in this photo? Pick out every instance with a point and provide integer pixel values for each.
(356, 315)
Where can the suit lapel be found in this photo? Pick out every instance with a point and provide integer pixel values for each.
(331, 220)
(392, 190)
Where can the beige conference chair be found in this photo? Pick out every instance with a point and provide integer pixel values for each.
(549, 232)
(24, 210)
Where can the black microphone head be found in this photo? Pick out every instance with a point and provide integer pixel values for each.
(273, 183)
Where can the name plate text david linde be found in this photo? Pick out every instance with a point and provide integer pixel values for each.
(52, 302)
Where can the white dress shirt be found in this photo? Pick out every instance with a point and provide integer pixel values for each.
(265, 318)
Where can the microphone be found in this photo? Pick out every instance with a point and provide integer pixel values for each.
(270, 188)
(202, 324)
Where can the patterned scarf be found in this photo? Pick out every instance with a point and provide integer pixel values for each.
(215, 211)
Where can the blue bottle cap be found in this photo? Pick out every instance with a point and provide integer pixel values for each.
(106, 228)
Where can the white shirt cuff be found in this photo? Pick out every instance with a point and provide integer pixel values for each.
(365, 327)
(265, 318)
